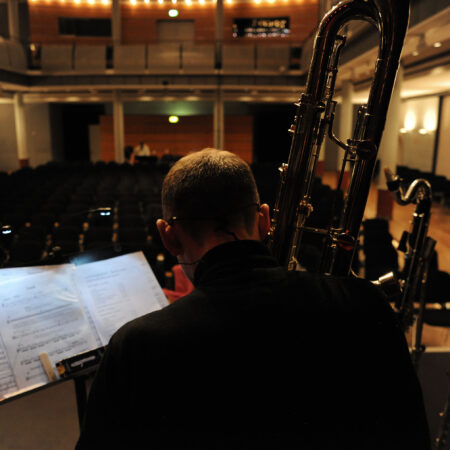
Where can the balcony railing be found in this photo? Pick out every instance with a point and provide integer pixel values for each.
(151, 58)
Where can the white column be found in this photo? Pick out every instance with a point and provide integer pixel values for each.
(388, 151)
(116, 23)
(119, 128)
(21, 129)
(346, 119)
(13, 20)
(218, 118)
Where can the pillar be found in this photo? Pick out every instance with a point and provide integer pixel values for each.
(116, 23)
(218, 118)
(387, 153)
(119, 128)
(21, 130)
(219, 33)
(13, 20)
(345, 128)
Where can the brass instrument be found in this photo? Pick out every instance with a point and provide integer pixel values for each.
(418, 249)
(314, 117)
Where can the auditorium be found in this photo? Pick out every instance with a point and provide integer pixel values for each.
(341, 111)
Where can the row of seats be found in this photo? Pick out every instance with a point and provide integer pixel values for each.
(440, 185)
(381, 257)
(59, 210)
(155, 58)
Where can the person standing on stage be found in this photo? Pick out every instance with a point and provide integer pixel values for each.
(255, 357)
(142, 149)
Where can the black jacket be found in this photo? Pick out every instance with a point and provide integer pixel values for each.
(257, 357)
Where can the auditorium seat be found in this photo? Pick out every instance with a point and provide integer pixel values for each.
(97, 236)
(130, 220)
(23, 253)
(16, 220)
(132, 235)
(33, 232)
(65, 233)
(380, 255)
(65, 248)
(70, 219)
(129, 208)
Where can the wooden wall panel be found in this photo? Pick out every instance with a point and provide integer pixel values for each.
(189, 134)
(139, 22)
(44, 22)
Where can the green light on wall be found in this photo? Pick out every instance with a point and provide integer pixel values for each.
(174, 119)
(173, 12)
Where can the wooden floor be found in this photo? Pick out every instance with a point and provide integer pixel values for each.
(439, 230)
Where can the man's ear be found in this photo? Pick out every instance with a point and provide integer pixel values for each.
(169, 237)
(263, 221)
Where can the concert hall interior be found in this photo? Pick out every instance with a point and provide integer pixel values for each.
(99, 98)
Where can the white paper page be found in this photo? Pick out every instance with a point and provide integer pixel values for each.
(42, 313)
(7, 378)
(14, 273)
(118, 290)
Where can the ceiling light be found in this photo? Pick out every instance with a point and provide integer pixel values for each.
(437, 44)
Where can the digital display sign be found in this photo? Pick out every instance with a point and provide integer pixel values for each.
(261, 27)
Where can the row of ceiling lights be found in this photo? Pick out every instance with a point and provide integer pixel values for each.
(145, 2)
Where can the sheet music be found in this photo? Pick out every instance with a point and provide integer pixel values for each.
(14, 273)
(118, 290)
(40, 314)
(7, 378)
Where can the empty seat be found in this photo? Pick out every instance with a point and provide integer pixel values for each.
(33, 232)
(66, 233)
(16, 220)
(129, 209)
(131, 220)
(65, 248)
(25, 253)
(136, 235)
